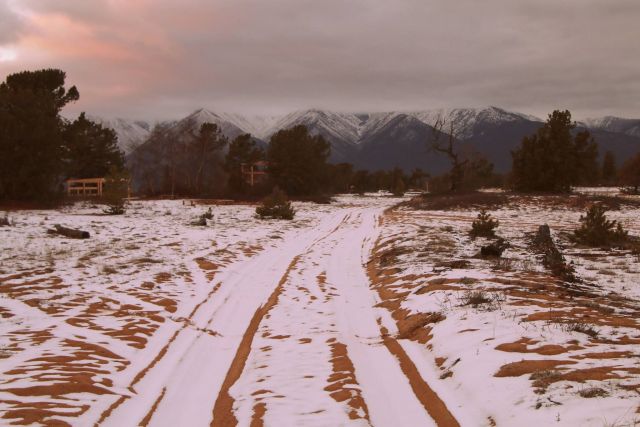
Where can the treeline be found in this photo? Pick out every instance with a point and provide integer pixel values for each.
(554, 159)
(191, 160)
(557, 158)
(39, 148)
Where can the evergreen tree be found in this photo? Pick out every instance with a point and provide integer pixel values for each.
(552, 159)
(242, 150)
(630, 174)
(276, 206)
(609, 169)
(31, 140)
(597, 230)
(204, 157)
(585, 165)
(298, 161)
(90, 149)
(116, 191)
(341, 177)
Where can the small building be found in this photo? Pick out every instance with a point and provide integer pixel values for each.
(85, 187)
(254, 173)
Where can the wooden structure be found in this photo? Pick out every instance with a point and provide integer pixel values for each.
(254, 173)
(85, 187)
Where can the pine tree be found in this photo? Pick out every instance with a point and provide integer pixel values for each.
(204, 152)
(484, 225)
(298, 161)
(609, 169)
(552, 159)
(276, 206)
(31, 140)
(597, 230)
(116, 191)
(630, 174)
(90, 149)
(242, 150)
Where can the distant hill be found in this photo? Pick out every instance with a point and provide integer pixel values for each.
(388, 139)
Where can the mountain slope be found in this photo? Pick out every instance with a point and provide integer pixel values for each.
(388, 139)
(340, 130)
(131, 134)
(228, 128)
(399, 141)
(613, 124)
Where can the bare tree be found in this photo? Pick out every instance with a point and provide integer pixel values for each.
(446, 144)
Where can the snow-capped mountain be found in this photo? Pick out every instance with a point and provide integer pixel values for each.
(340, 126)
(467, 122)
(384, 140)
(226, 122)
(131, 134)
(614, 124)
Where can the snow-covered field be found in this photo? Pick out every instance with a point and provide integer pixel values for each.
(351, 314)
(529, 350)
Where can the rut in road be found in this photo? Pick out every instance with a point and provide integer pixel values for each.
(314, 354)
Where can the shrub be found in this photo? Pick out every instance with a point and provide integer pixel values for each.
(475, 298)
(592, 392)
(484, 225)
(597, 230)
(116, 191)
(276, 206)
(583, 328)
(202, 219)
(494, 249)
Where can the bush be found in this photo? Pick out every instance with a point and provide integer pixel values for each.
(202, 219)
(276, 206)
(483, 225)
(116, 191)
(207, 215)
(475, 298)
(597, 230)
(494, 249)
(399, 188)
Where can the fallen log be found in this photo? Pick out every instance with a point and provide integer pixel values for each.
(552, 258)
(68, 232)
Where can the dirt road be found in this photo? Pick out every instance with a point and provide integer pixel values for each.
(289, 337)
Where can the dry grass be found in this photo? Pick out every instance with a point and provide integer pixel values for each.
(583, 328)
(592, 392)
(475, 200)
(475, 298)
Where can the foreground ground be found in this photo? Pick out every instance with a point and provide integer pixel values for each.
(352, 314)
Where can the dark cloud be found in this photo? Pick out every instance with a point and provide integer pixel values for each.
(163, 58)
(10, 24)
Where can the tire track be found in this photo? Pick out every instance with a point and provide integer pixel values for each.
(223, 415)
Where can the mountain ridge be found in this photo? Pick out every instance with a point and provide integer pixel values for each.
(389, 139)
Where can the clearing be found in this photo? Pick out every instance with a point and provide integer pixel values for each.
(354, 313)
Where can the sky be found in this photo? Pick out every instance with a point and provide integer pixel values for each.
(161, 59)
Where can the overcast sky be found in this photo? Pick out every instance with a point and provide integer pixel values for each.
(158, 59)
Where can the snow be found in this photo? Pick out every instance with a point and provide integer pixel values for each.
(155, 321)
(468, 337)
(130, 133)
(614, 124)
